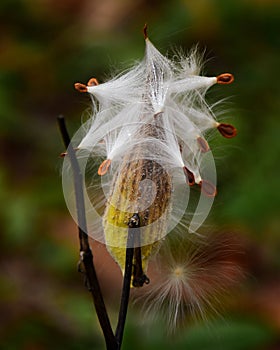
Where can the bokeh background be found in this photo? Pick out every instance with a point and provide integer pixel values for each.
(46, 46)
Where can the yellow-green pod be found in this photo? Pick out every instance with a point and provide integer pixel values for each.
(141, 186)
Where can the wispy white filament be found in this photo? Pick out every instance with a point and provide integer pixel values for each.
(153, 86)
(167, 95)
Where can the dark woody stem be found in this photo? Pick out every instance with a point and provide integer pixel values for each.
(113, 342)
(138, 276)
(133, 227)
(85, 251)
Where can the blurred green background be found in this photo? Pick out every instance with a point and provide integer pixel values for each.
(46, 46)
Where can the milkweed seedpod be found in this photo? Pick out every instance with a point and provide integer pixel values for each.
(146, 142)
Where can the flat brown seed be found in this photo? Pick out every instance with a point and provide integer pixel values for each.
(80, 87)
(225, 78)
(227, 130)
(104, 166)
(189, 176)
(145, 31)
(208, 188)
(92, 82)
(158, 114)
(203, 144)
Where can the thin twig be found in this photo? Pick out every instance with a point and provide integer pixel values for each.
(133, 226)
(138, 276)
(85, 251)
